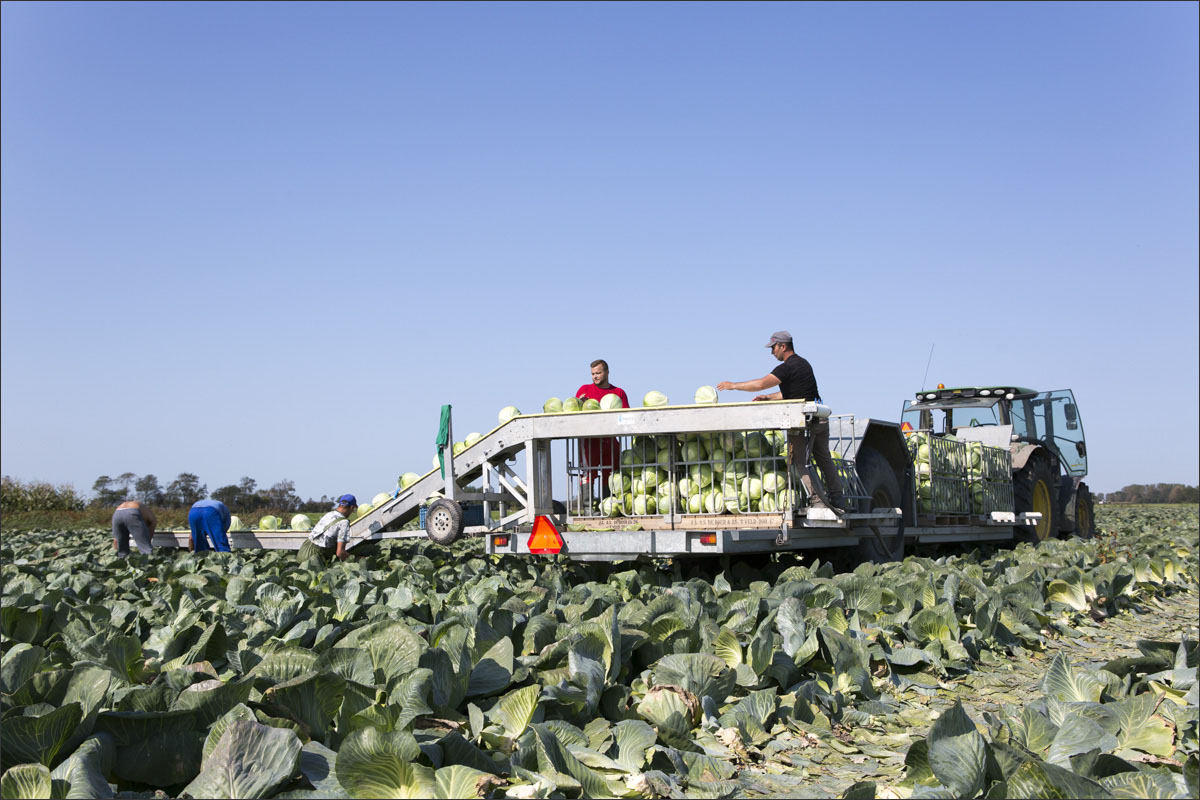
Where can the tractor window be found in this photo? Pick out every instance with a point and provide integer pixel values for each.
(973, 417)
(1023, 421)
(1066, 431)
(929, 419)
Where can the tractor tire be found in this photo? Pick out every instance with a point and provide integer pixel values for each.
(882, 487)
(444, 521)
(1082, 513)
(1035, 488)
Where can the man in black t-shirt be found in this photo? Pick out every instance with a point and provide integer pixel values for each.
(796, 381)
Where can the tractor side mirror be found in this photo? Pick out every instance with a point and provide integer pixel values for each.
(1072, 415)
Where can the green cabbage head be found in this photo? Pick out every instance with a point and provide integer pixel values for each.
(653, 399)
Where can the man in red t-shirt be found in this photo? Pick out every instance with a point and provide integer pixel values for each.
(600, 454)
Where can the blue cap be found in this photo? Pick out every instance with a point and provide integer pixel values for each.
(347, 500)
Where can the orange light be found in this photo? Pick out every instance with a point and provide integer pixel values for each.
(941, 386)
(906, 428)
(500, 541)
(545, 538)
(708, 538)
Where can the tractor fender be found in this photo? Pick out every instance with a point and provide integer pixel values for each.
(1022, 452)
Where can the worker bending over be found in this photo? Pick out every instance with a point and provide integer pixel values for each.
(209, 521)
(332, 532)
(133, 520)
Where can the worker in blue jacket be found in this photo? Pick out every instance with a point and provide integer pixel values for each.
(209, 521)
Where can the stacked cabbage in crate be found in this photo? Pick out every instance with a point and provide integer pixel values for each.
(958, 477)
(697, 473)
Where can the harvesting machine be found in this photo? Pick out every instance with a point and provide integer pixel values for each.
(708, 480)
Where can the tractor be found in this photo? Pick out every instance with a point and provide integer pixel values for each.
(1044, 433)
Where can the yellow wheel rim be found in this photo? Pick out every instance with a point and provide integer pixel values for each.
(1041, 504)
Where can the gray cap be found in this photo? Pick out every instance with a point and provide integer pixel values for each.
(780, 337)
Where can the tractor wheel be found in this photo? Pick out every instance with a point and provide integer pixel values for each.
(1083, 512)
(1035, 489)
(444, 521)
(882, 486)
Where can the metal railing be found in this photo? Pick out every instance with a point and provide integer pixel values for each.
(726, 472)
(955, 477)
(735, 472)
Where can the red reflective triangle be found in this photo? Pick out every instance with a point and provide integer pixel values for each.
(545, 537)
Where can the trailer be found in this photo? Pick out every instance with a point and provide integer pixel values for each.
(697, 480)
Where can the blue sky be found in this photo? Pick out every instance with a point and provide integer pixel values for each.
(272, 239)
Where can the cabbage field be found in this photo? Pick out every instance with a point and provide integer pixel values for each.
(1063, 670)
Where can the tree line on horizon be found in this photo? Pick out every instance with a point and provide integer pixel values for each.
(186, 489)
(1154, 493)
(246, 496)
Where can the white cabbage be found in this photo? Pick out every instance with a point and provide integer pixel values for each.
(752, 487)
(714, 502)
(611, 401)
(774, 481)
(706, 395)
(508, 412)
(609, 507)
(552, 406)
(757, 445)
(653, 399)
(301, 522)
(653, 476)
(644, 504)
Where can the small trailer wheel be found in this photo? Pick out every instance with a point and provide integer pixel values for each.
(444, 521)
